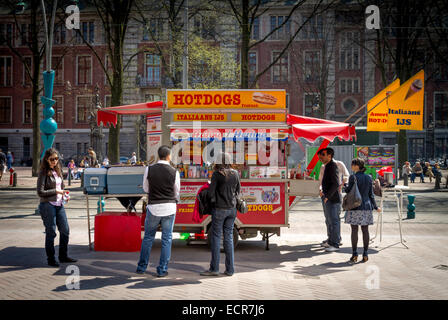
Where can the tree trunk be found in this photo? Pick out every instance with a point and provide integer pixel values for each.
(35, 91)
(117, 94)
(245, 33)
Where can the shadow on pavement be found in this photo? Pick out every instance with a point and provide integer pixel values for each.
(118, 268)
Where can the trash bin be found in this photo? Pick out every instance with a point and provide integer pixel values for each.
(389, 178)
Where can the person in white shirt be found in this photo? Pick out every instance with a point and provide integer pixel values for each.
(343, 176)
(133, 159)
(162, 183)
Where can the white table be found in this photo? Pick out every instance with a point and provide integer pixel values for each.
(396, 193)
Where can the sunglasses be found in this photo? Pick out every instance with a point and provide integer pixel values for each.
(53, 159)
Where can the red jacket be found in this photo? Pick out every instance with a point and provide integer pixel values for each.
(196, 216)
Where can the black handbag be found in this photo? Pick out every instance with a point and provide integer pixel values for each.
(353, 198)
(241, 204)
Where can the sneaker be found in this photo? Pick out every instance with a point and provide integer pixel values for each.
(228, 274)
(325, 245)
(161, 275)
(331, 249)
(53, 263)
(209, 273)
(140, 272)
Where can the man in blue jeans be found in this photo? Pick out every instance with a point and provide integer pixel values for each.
(162, 183)
(331, 198)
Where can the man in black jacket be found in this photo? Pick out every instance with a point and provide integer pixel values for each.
(331, 197)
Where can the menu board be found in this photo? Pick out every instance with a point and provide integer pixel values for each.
(265, 201)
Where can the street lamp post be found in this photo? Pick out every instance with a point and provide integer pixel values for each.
(48, 125)
(96, 133)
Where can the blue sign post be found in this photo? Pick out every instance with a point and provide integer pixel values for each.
(48, 125)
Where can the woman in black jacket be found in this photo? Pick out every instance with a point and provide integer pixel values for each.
(362, 215)
(50, 188)
(224, 187)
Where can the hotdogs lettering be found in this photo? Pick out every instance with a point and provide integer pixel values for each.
(206, 99)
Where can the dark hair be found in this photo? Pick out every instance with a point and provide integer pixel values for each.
(45, 167)
(222, 163)
(329, 151)
(360, 163)
(163, 152)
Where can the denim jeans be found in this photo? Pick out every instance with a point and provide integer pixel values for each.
(151, 225)
(222, 219)
(53, 216)
(327, 219)
(333, 210)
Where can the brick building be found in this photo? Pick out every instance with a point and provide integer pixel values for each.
(327, 72)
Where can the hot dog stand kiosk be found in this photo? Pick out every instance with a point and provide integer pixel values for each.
(253, 126)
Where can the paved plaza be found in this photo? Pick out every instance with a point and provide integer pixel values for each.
(295, 267)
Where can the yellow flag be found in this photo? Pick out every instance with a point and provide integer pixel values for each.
(377, 118)
(406, 104)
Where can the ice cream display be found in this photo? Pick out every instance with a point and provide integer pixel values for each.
(415, 87)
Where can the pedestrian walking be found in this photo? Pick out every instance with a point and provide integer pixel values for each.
(162, 183)
(133, 159)
(343, 175)
(9, 160)
(224, 187)
(2, 163)
(50, 188)
(362, 215)
(331, 198)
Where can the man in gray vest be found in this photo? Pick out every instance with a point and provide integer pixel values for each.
(162, 183)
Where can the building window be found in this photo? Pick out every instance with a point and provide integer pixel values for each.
(280, 68)
(5, 71)
(59, 33)
(349, 86)
(204, 27)
(78, 149)
(152, 97)
(57, 64)
(440, 70)
(389, 141)
(59, 109)
(28, 62)
(152, 69)
(108, 66)
(283, 32)
(312, 65)
(84, 70)
(107, 101)
(349, 105)
(25, 34)
(441, 147)
(5, 109)
(26, 148)
(6, 33)
(154, 31)
(83, 106)
(441, 110)
(416, 148)
(255, 35)
(27, 112)
(311, 104)
(86, 32)
(252, 66)
(313, 29)
(349, 50)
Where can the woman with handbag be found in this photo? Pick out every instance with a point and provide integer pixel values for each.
(361, 215)
(50, 188)
(223, 190)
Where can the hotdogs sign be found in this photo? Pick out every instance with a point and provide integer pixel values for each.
(226, 99)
